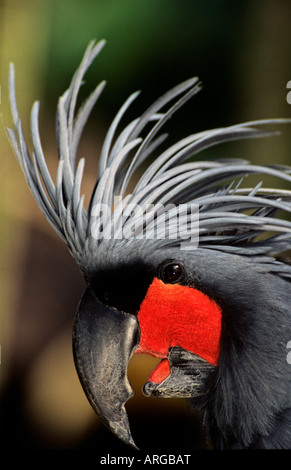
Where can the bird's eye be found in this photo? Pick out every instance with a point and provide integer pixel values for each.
(172, 273)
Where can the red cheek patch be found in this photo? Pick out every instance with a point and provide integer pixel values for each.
(175, 315)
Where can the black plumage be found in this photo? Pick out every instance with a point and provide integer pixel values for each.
(233, 259)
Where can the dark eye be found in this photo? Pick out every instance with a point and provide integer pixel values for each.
(172, 273)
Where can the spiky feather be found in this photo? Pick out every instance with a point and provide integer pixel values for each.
(229, 219)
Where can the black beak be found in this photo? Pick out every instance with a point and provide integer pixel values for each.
(103, 341)
(188, 377)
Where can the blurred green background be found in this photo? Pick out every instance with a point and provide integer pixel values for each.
(241, 51)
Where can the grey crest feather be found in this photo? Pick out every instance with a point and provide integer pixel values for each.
(230, 218)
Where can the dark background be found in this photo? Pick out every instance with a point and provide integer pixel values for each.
(241, 52)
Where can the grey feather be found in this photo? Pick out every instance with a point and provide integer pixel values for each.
(225, 221)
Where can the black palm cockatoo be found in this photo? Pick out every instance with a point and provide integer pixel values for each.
(184, 266)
